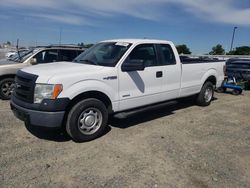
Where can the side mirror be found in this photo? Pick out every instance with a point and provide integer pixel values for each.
(133, 65)
(33, 61)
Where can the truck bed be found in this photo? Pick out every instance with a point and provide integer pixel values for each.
(195, 71)
(190, 60)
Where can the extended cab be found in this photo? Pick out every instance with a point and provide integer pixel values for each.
(112, 76)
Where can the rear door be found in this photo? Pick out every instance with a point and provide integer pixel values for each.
(172, 71)
(140, 88)
(67, 55)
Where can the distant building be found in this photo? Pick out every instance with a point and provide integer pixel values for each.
(7, 45)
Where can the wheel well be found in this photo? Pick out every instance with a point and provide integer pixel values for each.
(211, 79)
(7, 76)
(92, 94)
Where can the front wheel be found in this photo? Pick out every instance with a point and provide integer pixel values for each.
(206, 94)
(6, 88)
(87, 120)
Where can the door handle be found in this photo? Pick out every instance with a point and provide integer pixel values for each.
(159, 74)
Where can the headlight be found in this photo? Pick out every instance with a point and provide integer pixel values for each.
(46, 91)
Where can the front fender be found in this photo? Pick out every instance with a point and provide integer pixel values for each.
(7, 71)
(91, 85)
(10, 69)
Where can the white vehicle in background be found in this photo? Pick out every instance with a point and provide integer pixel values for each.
(9, 54)
(111, 77)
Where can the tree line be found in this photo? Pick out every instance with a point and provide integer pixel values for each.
(217, 50)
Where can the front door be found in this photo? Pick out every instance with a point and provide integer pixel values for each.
(138, 88)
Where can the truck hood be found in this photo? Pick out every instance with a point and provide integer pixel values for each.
(49, 70)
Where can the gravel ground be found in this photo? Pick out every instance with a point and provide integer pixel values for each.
(169, 146)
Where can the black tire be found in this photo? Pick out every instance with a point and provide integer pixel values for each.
(202, 99)
(6, 88)
(236, 92)
(87, 108)
(221, 90)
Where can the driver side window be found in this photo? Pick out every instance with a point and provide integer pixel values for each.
(145, 53)
(47, 56)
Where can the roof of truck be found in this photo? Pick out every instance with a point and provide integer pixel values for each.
(138, 41)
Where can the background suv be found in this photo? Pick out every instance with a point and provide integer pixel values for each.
(40, 55)
(238, 68)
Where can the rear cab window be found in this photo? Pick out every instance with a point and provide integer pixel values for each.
(166, 54)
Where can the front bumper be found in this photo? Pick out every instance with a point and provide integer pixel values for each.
(50, 113)
(38, 118)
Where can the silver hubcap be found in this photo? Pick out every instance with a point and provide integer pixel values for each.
(208, 94)
(90, 121)
(7, 88)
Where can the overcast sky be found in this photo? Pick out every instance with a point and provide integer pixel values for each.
(200, 24)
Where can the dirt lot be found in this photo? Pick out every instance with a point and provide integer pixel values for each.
(169, 146)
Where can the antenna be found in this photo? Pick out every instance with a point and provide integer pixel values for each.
(17, 41)
(17, 44)
(60, 38)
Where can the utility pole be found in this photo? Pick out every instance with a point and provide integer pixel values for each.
(232, 42)
(60, 39)
(17, 48)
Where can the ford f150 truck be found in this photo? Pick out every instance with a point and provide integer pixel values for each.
(112, 76)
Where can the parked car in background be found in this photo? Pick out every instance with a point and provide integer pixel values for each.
(238, 68)
(16, 53)
(10, 53)
(8, 68)
(16, 56)
(111, 77)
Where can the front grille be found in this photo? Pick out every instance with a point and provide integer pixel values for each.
(25, 85)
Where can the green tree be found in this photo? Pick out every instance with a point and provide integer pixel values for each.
(8, 43)
(81, 44)
(183, 49)
(217, 50)
(242, 50)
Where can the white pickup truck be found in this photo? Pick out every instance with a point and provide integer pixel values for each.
(112, 76)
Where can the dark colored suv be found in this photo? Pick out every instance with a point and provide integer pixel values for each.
(238, 68)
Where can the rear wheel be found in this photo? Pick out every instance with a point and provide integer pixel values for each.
(236, 92)
(87, 120)
(6, 88)
(206, 94)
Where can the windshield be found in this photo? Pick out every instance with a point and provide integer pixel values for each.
(103, 54)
